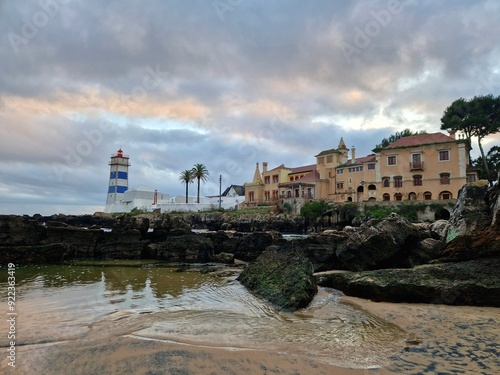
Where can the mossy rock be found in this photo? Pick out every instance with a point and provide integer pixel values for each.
(283, 277)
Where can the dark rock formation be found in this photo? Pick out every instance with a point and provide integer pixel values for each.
(473, 230)
(20, 230)
(190, 248)
(319, 249)
(244, 246)
(282, 277)
(475, 282)
(82, 242)
(98, 219)
(385, 243)
(36, 254)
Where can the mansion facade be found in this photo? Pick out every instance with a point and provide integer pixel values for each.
(416, 168)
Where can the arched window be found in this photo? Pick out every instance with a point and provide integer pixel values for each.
(398, 197)
(412, 196)
(360, 189)
(427, 196)
(386, 182)
(372, 187)
(386, 197)
(445, 195)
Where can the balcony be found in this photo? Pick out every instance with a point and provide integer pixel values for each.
(417, 166)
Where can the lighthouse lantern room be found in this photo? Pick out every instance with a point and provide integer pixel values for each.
(118, 177)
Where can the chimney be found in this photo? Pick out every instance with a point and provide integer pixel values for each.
(353, 155)
(264, 167)
(452, 134)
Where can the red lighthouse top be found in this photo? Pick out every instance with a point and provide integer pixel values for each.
(120, 153)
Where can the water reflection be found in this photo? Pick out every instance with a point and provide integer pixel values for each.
(80, 301)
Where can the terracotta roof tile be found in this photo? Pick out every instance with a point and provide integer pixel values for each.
(421, 139)
(304, 168)
(361, 160)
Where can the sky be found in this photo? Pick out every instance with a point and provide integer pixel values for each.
(224, 83)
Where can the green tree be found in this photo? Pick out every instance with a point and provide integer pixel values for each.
(314, 209)
(477, 117)
(456, 118)
(394, 137)
(200, 172)
(187, 178)
(493, 161)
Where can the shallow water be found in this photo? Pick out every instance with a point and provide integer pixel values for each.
(136, 299)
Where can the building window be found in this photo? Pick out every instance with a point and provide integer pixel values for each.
(444, 155)
(267, 179)
(340, 171)
(427, 196)
(417, 180)
(445, 195)
(391, 160)
(386, 182)
(321, 160)
(276, 179)
(340, 185)
(251, 197)
(471, 177)
(356, 169)
(386, 197)
(398, 182)
(445, 178)
(329, 159)
(267, 196)
(412, 196)
(371, 166)
(398, 197)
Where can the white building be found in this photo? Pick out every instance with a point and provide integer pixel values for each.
(122, 199)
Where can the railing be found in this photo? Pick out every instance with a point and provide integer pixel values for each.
(417, 165)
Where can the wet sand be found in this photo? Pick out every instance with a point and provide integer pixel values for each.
(448, 339)
(443, 340)
(130, 355)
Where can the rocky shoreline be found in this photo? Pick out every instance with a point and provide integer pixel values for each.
(453, 261)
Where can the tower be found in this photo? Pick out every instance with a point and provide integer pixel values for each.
(118, 177)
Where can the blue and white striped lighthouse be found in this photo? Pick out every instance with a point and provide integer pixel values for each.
(118, 177)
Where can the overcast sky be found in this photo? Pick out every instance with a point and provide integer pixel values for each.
(225, 83)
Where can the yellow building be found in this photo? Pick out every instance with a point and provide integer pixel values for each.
(421, 167)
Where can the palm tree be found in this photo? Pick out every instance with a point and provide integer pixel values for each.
(187, 177)
(201, 173)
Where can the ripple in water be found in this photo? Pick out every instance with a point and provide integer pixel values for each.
(74, 302)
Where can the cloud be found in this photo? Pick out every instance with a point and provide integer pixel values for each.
(177, 83)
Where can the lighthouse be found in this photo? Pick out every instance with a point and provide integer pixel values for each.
(118, 177)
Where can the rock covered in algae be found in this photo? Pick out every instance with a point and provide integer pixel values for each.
(283, 277)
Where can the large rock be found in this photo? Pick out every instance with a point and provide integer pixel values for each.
(36, 254)
(473, 230)
(471, 214)
(123, 244)
(383, 243)
(475, 282)
(247, 246)
(190, 248)
(20, 230)
(83, 242)
(285, 278)
(319, 249)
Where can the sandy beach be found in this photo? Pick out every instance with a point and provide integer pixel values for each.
(129, 355)
(442, 339)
